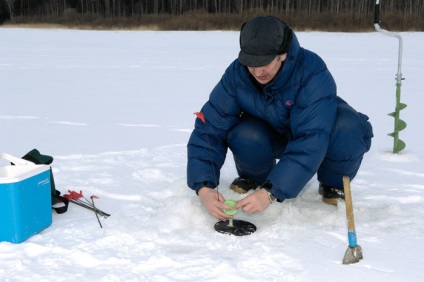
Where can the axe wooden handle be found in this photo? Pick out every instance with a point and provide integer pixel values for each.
(349, 212)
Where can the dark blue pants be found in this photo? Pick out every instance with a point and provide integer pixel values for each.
(256, 146)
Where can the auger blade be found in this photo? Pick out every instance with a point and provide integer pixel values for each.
(400, 125)
(400, 107)
(398, 146)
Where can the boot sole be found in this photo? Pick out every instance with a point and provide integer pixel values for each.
(331, 201)
(237, 189)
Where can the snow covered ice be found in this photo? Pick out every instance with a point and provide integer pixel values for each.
(115, 110)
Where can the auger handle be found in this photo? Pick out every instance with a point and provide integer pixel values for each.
(377, 12)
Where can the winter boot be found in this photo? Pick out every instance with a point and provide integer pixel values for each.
(242, 185)
(330, 195)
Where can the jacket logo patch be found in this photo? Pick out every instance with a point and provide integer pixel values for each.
(289, 103)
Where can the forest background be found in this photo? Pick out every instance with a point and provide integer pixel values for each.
(302, 15)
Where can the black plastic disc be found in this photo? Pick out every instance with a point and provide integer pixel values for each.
(239, 228)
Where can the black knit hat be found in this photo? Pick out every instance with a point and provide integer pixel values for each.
(262, 39)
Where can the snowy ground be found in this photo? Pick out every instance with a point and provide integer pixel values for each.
(115, 109)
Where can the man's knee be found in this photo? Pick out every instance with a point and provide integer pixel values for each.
(253, 144)
(351, 135)
(249, 133)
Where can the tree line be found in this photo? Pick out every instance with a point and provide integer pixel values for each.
(238, 10)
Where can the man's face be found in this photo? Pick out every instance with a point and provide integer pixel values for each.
(265, 74)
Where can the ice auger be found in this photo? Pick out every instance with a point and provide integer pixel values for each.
(399, 125)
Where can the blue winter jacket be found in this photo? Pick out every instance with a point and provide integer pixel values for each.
(301, 101)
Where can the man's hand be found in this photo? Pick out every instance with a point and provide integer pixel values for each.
(256, 202)
(214, 203)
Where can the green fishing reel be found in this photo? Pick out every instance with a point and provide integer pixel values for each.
(232, 226)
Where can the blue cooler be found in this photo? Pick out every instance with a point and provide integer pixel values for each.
(25, 199)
